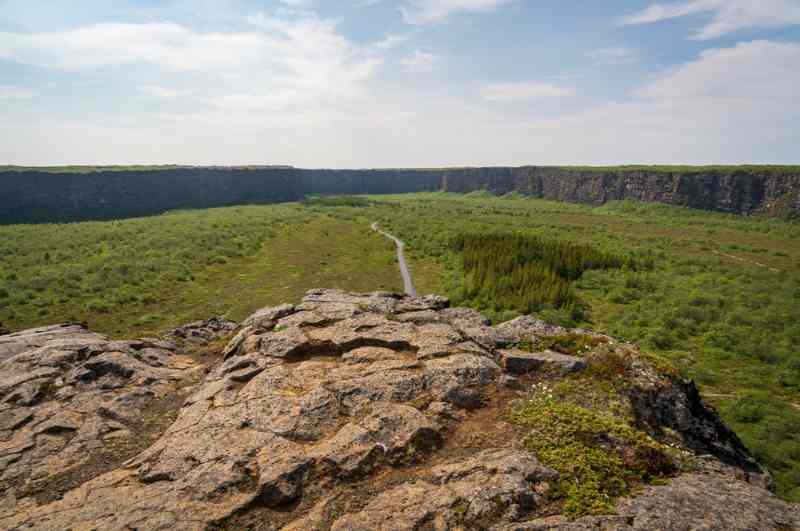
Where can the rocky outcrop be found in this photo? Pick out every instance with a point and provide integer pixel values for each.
(38, 196)
(70, 398)
(521, 362)
(491, 485)
(201, 333)
(691, 501)
(346, 411)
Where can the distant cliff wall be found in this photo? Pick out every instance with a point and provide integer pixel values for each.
(37, 196)
(737, 191)
(32, 196)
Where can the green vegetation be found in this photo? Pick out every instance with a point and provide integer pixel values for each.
(134, 167)
(138, 276)
(598, 456)
(335, 201)
(571, 344)
(528, 273)
(88, 169)
(582, 427)
(721, 302)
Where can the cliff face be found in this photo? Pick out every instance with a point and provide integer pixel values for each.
(735, 191)
(33, 196)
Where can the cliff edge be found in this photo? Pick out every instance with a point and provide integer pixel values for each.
(361, 412)
(33, 196)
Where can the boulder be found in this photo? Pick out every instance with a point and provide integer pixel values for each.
(494, 483)
(203, 332)
(522, 362)
(690, 501)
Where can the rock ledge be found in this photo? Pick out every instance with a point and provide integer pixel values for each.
(347, 411)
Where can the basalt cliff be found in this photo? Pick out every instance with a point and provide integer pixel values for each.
(364, 412)
(37, 196)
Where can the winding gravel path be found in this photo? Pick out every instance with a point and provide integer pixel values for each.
(408, 286)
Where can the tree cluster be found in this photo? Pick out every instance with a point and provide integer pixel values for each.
(528, 273)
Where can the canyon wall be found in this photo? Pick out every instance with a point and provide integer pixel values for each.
(40, 196)
(739, 191)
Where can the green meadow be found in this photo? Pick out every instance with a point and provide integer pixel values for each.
(717, 296)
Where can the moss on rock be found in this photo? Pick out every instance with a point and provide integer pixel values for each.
(599, 456)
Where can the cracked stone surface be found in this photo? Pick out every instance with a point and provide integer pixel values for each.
(67, 394)
(691, 501)
(521, 362)
(201, 333)
(346, 411)
(491, 484)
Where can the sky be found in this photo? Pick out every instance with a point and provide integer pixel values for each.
(399, 83)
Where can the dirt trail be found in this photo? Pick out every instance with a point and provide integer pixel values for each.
(408, 286)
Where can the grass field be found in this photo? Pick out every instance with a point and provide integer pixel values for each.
(139, 276)
(721, 302)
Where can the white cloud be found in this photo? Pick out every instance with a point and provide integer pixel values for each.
(276, 62)
(156, 91)
(392, 40)
(728, 105)
(166, 45)
(433, 11)
(15, 93)
(298, 45)
(525, 90)
(758, 71)
(727, 16)
(420, 61)
(616, 55)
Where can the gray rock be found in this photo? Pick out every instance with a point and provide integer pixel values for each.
(521, 362)
(334, 413)
(63, 334)
(62, 388)
(203, 332)
(266, 317)
(526, 327)
(506, 380)
(491, 482)
(692, 501)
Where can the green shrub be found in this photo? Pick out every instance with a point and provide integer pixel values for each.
(598, 456)
(749, 410)
(571, 344)
(335, 201)
(560, 316)
(98, 306)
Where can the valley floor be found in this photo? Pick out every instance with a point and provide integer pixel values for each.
(721, 303)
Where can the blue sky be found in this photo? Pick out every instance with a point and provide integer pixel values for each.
(378, 83)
